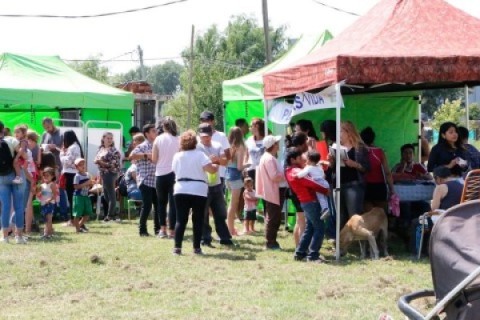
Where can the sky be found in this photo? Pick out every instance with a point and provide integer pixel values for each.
(163, 32)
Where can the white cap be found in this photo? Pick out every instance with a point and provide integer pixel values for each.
(78, 160)
(269, 141)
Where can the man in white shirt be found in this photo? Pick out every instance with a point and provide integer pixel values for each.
(215, 198)
(219, 137)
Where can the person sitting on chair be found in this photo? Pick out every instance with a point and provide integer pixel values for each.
(447, 193)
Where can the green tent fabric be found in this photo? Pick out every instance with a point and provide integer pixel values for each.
(27, 81)
(392, 116)
(250, 86)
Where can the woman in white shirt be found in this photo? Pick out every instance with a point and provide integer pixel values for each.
(70, 152)
(165, 146)
(191, 189)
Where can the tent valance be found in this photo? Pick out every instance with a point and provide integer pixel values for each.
(46, 80)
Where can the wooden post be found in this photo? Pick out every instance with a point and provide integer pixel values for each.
(268, 45)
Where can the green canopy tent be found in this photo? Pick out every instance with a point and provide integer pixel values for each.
(32, 87)
(243, 96)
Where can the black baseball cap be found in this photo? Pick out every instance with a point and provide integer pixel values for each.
(442, 172)
(205, 130)
(207, 116)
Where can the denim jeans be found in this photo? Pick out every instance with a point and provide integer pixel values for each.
(149, 196)
(63, 204)
(164, 186)
(312, 237)
(109, 194)
(216, 202)
(352, 196)
(8, 190)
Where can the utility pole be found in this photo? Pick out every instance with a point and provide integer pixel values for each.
(142, 67)
(190, 81)
(268, 45)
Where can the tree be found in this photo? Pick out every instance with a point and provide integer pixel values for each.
(92, 68)
(220, 56)
(165, 78)
(474, 111)
(433, 99)
(177, 108)
(451, 112)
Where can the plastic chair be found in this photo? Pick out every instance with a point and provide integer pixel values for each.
(471, 187)
(132, 203)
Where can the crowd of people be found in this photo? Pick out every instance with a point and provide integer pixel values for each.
(177, 174)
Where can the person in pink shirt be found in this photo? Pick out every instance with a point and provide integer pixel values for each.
(267, 184)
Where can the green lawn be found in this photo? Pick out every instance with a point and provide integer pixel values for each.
(112, 273)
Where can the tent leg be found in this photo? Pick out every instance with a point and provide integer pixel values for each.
(337, 171)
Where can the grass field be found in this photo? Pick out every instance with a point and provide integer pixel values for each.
(112, 273)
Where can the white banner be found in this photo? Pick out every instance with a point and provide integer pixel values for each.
(282, 112)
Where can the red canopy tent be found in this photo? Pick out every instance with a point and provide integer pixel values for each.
(397, 45)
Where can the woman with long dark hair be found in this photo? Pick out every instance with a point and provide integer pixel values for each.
(306, 126)
(449, 151)
(108, 160)
(71, 151)
(254, 145)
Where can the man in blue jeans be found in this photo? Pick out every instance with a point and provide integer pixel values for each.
(305, 189)
(8, 190)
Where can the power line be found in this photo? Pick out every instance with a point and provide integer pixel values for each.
(335, 8)
(93, 15)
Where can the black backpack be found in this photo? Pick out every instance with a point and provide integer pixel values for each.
(6, 158)
(122, 186)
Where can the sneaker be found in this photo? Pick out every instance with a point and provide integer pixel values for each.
(84, 227)
(4, 240)
(117, 220)
(227, 242)
(273, 247)
(20, 240)
(162, 234)
(325, 214)
(144, 234)
(107, 219)
(299, 258)
(207, 244)
(198, 251)
(177, 251)
(45, 237)
(17, 180)
(80, 230)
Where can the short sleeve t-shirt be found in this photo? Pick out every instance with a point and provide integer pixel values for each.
(79, 179)
(255, 151)
(214, 149)
(189, 164)
(221, 138)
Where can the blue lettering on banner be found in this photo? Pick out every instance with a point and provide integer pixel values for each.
(298, 104)
(287, 114)
(313, 99)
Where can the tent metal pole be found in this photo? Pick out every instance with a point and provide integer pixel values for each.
(467, 109)
(337, 170)
(420, 129)
(265, 115)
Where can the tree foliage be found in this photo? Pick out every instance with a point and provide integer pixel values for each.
(177, 108)
(92, 68)
(164, 78)
(452, 112)
(433, 99)
(474, 111)
(220, 56)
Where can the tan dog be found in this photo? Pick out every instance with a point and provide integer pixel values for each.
(366, 227)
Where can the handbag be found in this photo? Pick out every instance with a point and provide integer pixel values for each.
(62, 182)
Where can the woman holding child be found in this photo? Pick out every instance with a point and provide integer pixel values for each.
(311, 239)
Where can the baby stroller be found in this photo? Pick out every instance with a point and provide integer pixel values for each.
(455, 263)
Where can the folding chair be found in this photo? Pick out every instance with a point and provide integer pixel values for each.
(132, 203)
(471, 187)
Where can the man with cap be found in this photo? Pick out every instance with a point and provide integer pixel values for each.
(215, 198)
(219, 137)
